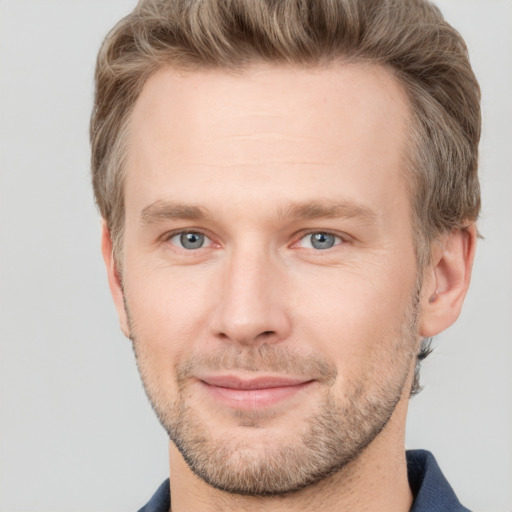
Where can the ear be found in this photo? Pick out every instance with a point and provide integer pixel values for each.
(446, 280)
(114, 278)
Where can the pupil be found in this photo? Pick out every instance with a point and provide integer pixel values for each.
(192, 240)
(322, 240)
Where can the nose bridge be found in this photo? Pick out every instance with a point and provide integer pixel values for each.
(251, 308)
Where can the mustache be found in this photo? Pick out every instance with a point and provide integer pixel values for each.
(263, 358)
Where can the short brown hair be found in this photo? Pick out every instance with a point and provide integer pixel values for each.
(408, 37)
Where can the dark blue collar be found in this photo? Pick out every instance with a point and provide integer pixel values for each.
(160, 501)
(431, 490)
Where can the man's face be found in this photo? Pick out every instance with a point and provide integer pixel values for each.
(270, 285)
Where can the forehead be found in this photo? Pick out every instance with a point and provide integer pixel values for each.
(268, 129)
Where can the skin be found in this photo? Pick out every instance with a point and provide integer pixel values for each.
(257, 162)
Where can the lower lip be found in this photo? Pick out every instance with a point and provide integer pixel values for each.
(250, 399)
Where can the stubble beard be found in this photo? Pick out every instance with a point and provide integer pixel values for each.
(336, 432)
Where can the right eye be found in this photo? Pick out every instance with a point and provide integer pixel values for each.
(190, 240)
(320, 240)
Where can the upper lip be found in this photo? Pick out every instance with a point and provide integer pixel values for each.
(262, 382)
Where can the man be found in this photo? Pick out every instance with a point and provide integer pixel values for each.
(289, 192)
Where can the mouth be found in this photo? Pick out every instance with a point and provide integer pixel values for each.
(254, 393)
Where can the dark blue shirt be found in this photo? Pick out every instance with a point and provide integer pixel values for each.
(432, 492)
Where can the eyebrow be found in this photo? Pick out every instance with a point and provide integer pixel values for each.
(326, 209)
(160, 211)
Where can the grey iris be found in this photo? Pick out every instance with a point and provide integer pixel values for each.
(192, 240)
(322, 240)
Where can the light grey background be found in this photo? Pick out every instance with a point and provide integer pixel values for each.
(76, 433)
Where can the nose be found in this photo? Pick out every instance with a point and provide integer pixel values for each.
(252, 306)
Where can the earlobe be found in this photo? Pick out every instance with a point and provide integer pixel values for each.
(447, 280)
(114, 278)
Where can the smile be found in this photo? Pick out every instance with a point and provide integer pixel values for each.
(250, 394)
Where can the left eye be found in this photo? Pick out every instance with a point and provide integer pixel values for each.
(320, 241)
(190, 240)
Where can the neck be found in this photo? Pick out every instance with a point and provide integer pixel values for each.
(375, 481)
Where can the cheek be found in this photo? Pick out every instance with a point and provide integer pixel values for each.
(353, 318)
(167, 310)
(162, 289)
